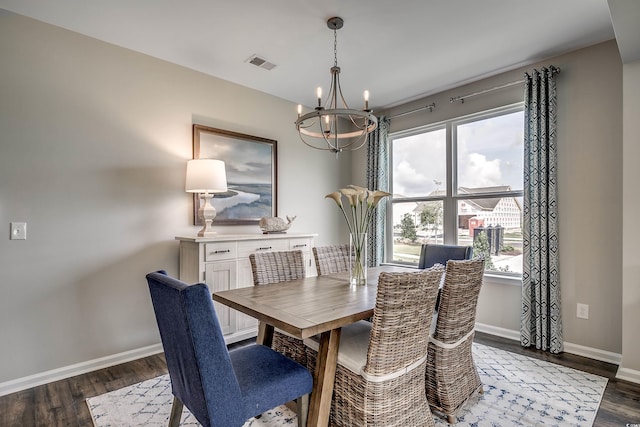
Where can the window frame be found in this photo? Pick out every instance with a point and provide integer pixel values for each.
(452, 197)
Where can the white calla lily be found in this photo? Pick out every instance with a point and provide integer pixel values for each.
(362, 204)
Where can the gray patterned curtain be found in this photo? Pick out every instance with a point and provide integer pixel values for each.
(377, 179)
(541, 322)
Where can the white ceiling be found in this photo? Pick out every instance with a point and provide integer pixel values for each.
(398, 50)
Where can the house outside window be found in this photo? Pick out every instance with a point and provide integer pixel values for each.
(460, 182)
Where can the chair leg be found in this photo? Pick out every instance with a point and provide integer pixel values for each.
(451, 419)
(176, 412)
(303, 410)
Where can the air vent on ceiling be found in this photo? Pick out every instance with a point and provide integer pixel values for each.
(261, 62)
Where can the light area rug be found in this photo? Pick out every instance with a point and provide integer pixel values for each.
(518, 391)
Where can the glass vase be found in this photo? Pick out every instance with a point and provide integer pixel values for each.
(358, 258)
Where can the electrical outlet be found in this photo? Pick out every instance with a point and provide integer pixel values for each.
(18, 231)
(583, 311)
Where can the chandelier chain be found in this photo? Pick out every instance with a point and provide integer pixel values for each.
(335, 47)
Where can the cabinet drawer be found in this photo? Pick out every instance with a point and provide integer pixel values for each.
(302, 244)
(264, 245)
(221, 250)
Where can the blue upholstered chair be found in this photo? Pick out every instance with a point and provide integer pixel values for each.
(440, 254)
(220, 387)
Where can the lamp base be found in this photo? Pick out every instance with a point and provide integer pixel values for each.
(207, 213)
(203, 233)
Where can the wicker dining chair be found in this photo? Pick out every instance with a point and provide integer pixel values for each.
(274, 267)
(331, 259)
(431, 254)
(379, 379)
(451, 375)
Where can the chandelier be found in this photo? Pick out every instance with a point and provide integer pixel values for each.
(335, 127)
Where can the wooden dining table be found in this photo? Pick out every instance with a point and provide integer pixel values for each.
(306, 307)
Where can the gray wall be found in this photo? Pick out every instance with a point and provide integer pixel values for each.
(590, 190)
(93, 147)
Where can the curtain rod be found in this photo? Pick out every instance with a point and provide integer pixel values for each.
(461, 98)
(429, 107)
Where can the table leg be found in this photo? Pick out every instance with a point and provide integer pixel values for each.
(265, 334)
(324, 378)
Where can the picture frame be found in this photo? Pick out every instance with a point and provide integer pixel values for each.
(251, 168)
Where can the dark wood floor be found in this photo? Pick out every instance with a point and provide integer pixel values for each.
(62, 403)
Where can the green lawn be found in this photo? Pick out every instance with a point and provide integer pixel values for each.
(406, 253)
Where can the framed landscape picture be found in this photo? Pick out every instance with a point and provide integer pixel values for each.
(251, 167)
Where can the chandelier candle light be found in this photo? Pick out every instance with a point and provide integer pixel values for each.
(322, 128)
(206, 177)
(362, 204)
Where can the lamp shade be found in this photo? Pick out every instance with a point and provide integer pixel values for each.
(206, 176)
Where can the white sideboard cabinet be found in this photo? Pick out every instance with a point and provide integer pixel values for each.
(222, 262)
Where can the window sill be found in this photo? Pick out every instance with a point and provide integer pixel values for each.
(501, 279)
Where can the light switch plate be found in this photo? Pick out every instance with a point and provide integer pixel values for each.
(18, 231)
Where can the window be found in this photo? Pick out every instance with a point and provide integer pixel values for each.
(460, 182)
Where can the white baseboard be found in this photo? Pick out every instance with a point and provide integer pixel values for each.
(497, 331)
(579, 350)
(24, 383)
(628, 375)
(593, 353)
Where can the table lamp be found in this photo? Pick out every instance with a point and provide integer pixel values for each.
(206, 177)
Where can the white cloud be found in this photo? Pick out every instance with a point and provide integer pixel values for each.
(418, 160)
(479, 171)
(407, 180)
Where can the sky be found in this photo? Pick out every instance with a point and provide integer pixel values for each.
(490, 152)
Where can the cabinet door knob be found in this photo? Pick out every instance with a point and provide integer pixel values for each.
(222, 252)
(265, 248)
(300, 246)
